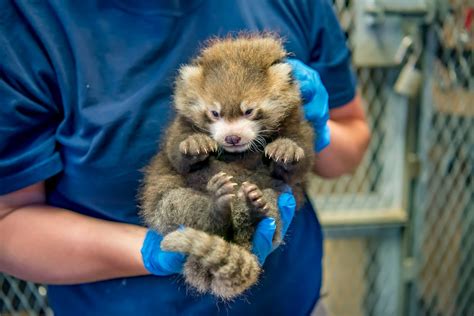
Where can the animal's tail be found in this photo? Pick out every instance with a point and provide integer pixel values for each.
(213, 264)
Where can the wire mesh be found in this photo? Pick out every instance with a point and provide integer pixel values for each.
(376, 184)
(367, 187)
(356, 281)
(20, 297)
(445, 282)
(362, 273)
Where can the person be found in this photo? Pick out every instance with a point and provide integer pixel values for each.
(85, 92)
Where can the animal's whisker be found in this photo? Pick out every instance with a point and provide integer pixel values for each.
(220, 151)
(262, 141)
(256, 145)
(259, 142)
(267, 131)
(252, 146)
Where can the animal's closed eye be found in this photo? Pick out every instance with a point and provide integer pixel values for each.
(277, 61)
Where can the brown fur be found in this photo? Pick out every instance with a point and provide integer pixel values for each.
(188, 183)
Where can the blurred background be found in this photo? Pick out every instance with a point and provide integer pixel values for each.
(400, 230)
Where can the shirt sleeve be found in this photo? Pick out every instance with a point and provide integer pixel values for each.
(28, 115)
(330, 55)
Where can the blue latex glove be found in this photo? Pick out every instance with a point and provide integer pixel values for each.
(157, 261)
(263, 237)
(315, 96)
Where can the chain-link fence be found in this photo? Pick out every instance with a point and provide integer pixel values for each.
(20, 297)
(363, 212)
(444, 243)
(425, 265)
(384, 254)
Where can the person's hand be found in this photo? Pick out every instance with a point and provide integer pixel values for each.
(262, 243)
(315, 99)
(157, 261)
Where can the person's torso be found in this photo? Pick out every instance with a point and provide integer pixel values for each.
(116, 72)
(115, 67)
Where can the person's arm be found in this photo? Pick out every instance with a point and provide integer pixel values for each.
(350, 137)
(46, 244)
(51, 245)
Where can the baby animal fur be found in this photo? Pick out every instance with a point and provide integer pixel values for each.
(219, 185)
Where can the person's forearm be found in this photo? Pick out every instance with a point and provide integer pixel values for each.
(349, 140)
(41, 243)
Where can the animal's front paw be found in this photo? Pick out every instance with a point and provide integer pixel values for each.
(255, 200)
(222, 189)
(285, 151)
(198, 145)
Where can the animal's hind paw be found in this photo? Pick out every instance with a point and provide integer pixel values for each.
(222, 188)
(255, 199)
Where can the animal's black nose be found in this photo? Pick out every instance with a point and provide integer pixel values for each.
(232, 139)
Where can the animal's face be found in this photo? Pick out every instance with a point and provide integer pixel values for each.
(239, 132)
(238, 93)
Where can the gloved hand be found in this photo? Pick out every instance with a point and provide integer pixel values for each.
(162, 263)
(315, 96)
(157, 261)
(263, 238)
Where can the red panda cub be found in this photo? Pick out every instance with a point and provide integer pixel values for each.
(238, 137)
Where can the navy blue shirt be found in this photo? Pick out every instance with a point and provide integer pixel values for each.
(84, 94)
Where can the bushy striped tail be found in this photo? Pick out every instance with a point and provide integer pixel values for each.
(214, 265)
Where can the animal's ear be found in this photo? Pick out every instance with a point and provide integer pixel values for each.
(280, 74)
(189, 74)
(187, 101)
